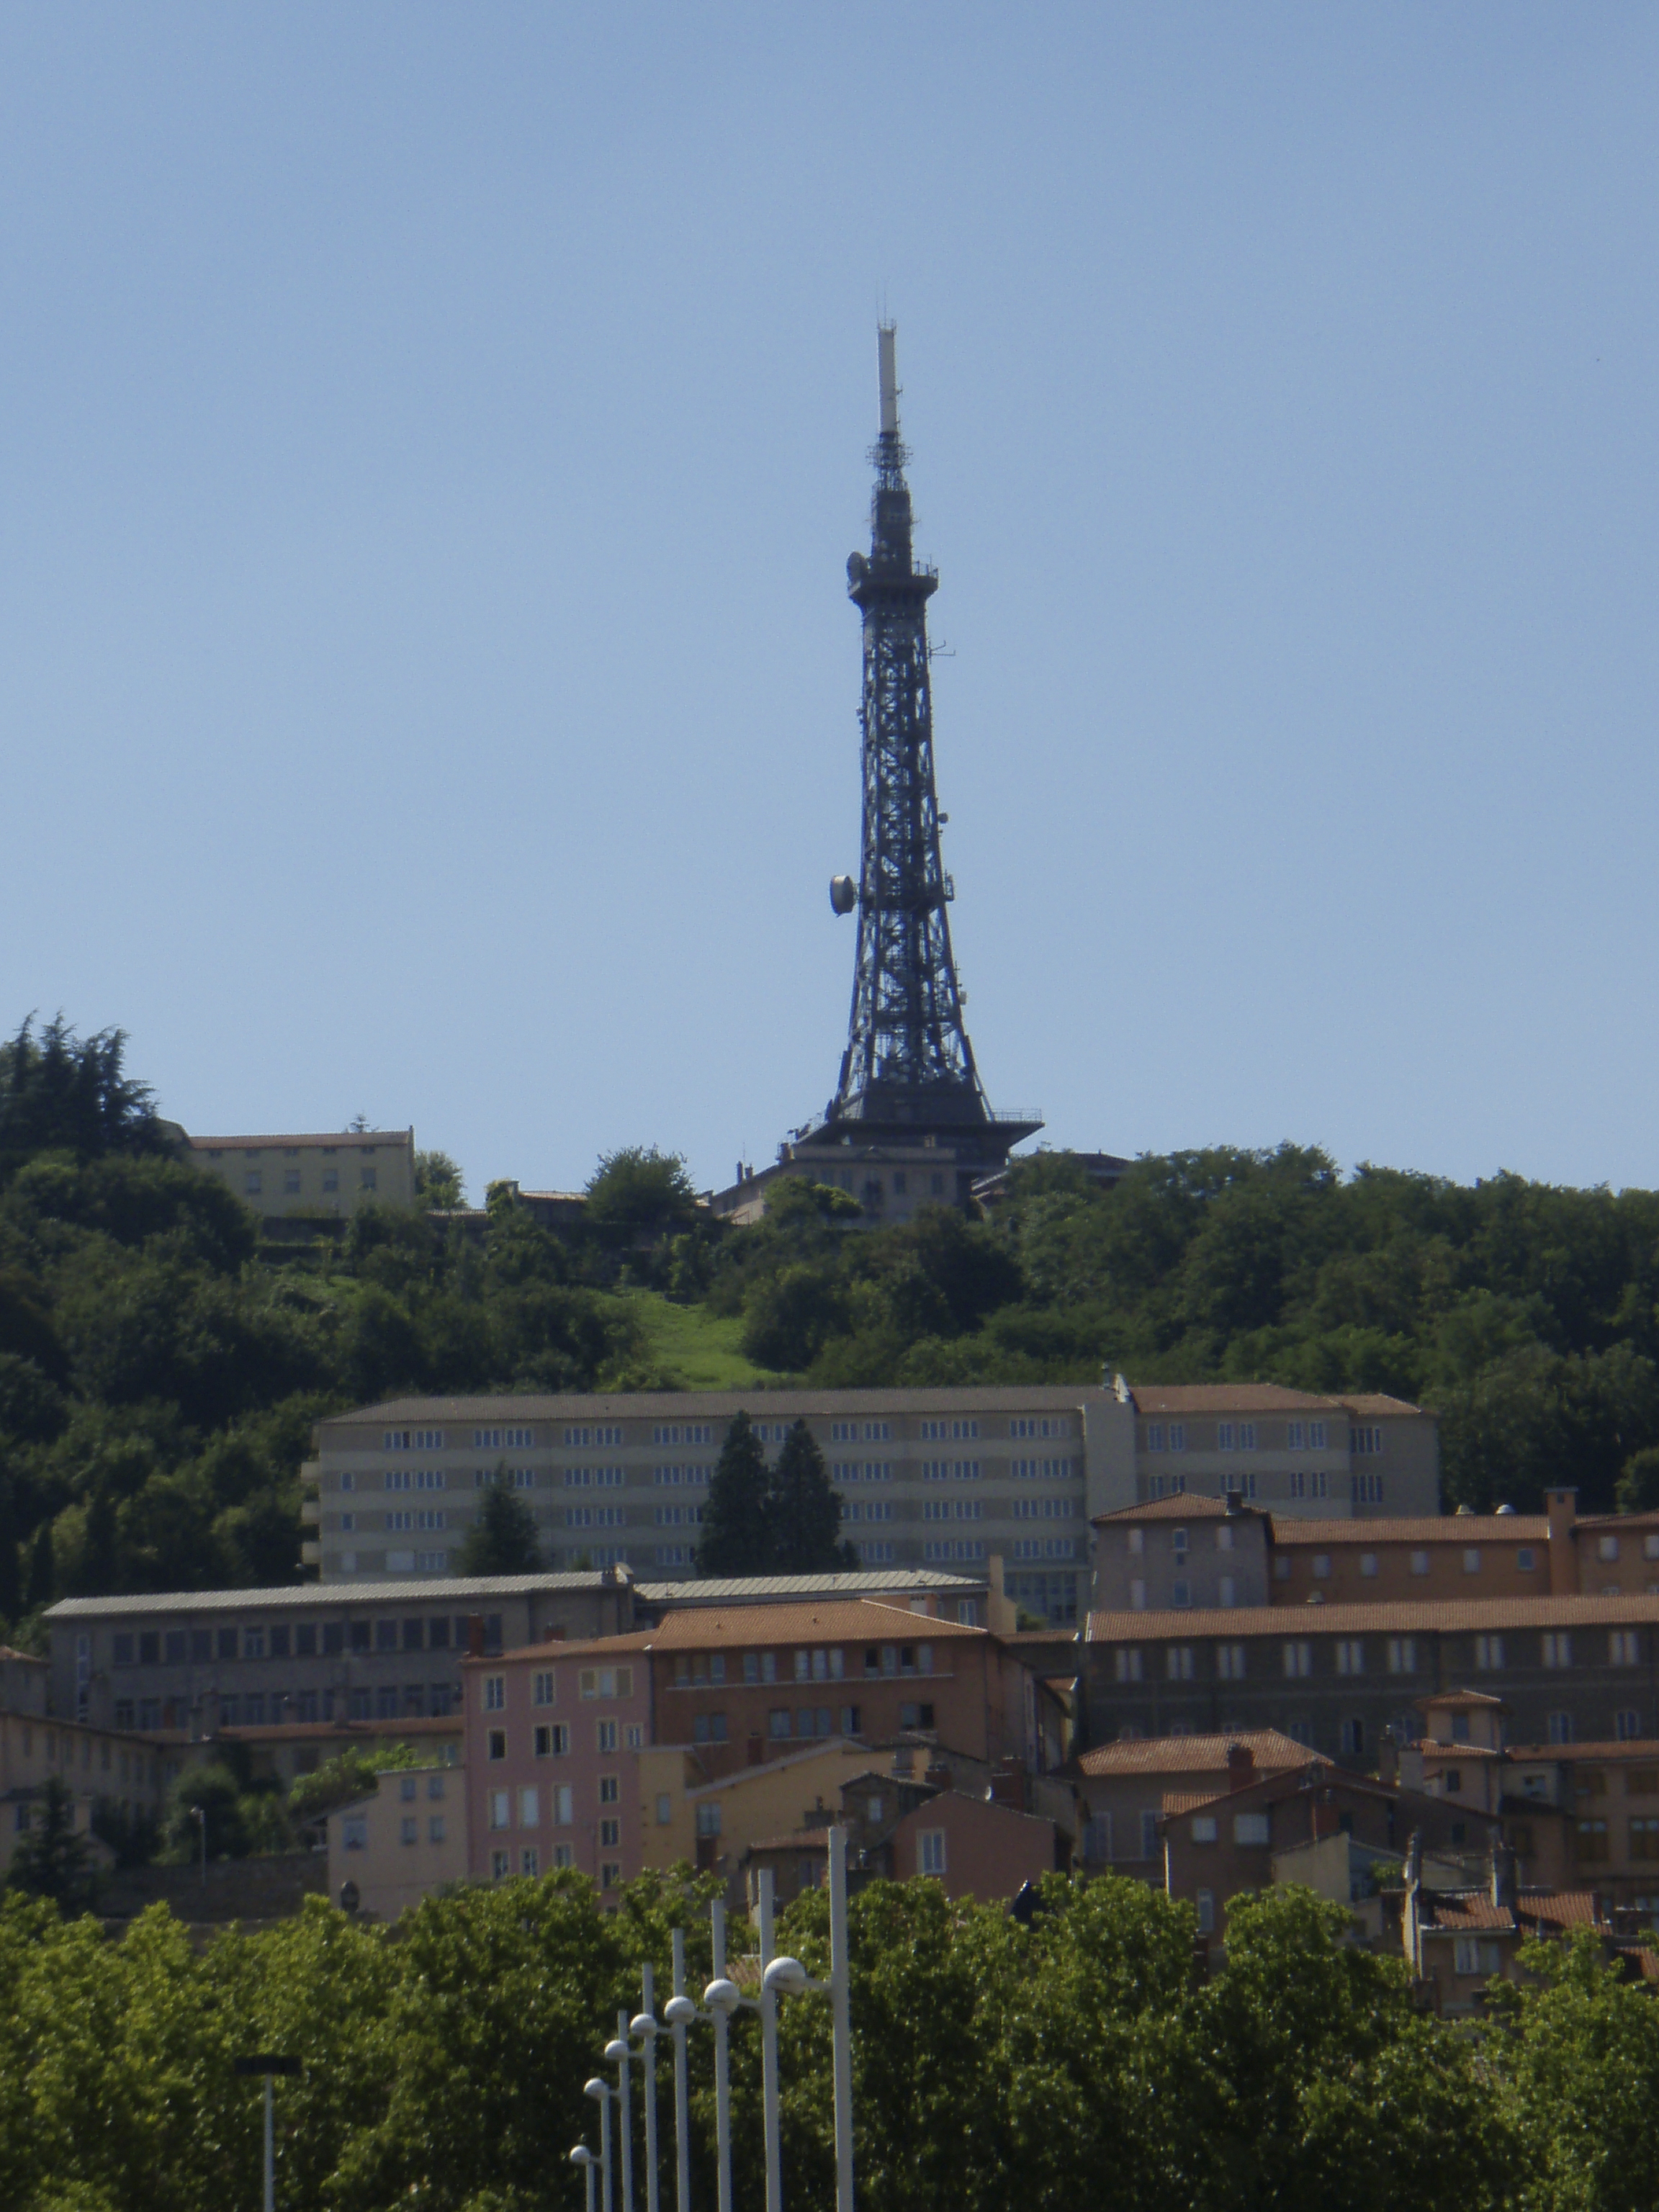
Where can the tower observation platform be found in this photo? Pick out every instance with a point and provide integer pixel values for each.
(910, 1123)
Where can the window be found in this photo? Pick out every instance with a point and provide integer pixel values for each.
(1525, 1559)
(1299, 1659)
(353, 1832)
(1204, 1828)
(408, 1829)
(1137, 1595)
(1591, 1842)
(1155, 1436)
(1205, 1907)
(496, 1742)
(1226, 1592)
(407, 1789)
(1471, 1559)
(1560, 1728)
(1419, 1563)
(561, 1807)
(500, 1861)
(1149, 1835)
(435, 1829)
(1607, 1547)
(1353, 1739)
(542, 1689)
(1230, 1663)
(606, 1682)
(1126, 1663)
(1250, 1829)
(1364, 1443)
(610, 1837)
(330, 1178)
(1402, 1654)
(664, 1808)
(709, 1820)
(1627, 1725)
(1474, 1954)
(1558, 1648)
(930, 1850)
(1642, 1782)
(501, 1807)
(1644, 1838)
(1350, 1656)
(1368, 1565)
(552, 1741)
(530, 1808)
(606, 1736)
(1226, 1436)
(1622, 1648)
(1488, 1652)
(253, 1182)
(495, 1692)
(1178, 1662)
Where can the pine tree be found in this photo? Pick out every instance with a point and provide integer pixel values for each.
(736, 1524)
(51, 1860)
(503, 1538)
(803, 1513)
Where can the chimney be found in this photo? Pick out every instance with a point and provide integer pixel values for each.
(1504, 1888)
(1241, 1767)
(475, 1636)
(1008, 1784)
(1563, 1508)
(938, 1774)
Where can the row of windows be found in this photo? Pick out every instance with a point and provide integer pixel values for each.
(702, 1432)
(354, 1829)
(551, 1739)
(304, 1639)
(1420, 1562)
(561, 1855)
(253, 1181)
(389, 1701)
(592, 1682)
(825, 1664)
(1241, 1436)
(1360, 1654)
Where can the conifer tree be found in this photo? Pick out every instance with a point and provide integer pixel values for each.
(502, 1540)
(51, 1860)
(737, 1538)
(803, 1513)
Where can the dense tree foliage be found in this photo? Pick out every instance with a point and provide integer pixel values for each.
(1527, 1316)
(777, 1519)
(503, 1538)
(1076, 2061)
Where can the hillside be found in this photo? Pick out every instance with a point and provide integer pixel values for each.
(159, 1376)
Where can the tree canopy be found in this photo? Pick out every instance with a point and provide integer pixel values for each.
(502, 1538)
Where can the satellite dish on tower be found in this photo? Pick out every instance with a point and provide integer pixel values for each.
(843, 894)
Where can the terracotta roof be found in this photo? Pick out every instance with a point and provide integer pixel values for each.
(1429, 1745)
(1188, 1505)
(1642, 1751)
(1376, 1404)
(1228, 1398)
(1456, 1911)
(8, 1651)
(637, 1639)
(1402, 1616)
(803, 1839)
(344, 1140)
(1437, 1529)
(1557, 1908)
(1195, 1755)
(1176, 1801)
(1460, 1701)
(855, 1621)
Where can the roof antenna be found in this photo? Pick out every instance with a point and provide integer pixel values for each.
(886, 336)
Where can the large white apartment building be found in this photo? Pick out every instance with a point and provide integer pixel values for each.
(944, 1478)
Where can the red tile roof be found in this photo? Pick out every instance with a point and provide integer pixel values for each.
(1437, 1529)
(1186, 1506)
(1639, 1750)
(1460, 1701)
(804, 1839)
(1195, 1755)
(700, 1628)
(1402, 1616)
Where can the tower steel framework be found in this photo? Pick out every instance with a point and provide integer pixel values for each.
(909, 1070)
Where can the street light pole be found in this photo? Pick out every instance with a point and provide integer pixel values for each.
(602, 2093)
(583, 2157)
(788, 1978)
(619, 2050)
(644, 2024)
(680, 2012)
(721, 1999)
(768, 2013)
(198, 1813)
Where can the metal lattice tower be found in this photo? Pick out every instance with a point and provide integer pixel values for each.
(909, 1067)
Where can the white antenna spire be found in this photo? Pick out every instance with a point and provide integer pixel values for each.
(886, 334)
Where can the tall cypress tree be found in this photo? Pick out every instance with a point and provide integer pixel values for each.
(803, 1512)
(737, 1536)
(503, 1538)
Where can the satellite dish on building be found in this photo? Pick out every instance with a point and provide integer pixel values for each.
(843, 894)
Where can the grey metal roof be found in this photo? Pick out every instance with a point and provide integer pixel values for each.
(716, 1404)
(309, 1596)
(756, 1589)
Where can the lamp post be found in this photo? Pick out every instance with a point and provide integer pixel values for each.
(583, 2157)
(722, 1998)
(644, 2024)
(269, 2065)
(680, 2012)
(619, 2050)
(788, 1978)
(198, 1813)
(768, 2015)
(603, 2091)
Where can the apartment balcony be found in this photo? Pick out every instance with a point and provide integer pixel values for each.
(311, 1555)
(311, 1511)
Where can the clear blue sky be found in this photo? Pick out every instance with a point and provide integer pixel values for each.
(430, 443)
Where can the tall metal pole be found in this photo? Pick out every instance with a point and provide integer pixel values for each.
(841, 2015)
(649, 2066)
(682, 2121)
(769, 2013)
(625, 2114)
(722, 2075)
(588, 2175)
(270, 2143)
(604, 2151)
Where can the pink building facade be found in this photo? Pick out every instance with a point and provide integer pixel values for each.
(553, 1737)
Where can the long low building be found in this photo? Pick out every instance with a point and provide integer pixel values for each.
(1333, 1677)
(928, 1478)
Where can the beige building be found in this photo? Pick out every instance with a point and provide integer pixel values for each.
(944, 1478)
(398, 1845)
(711, 1824)
(891, 1181)
(95, 1765)
(310, 1178)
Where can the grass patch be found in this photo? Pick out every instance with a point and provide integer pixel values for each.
(697, 1350)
